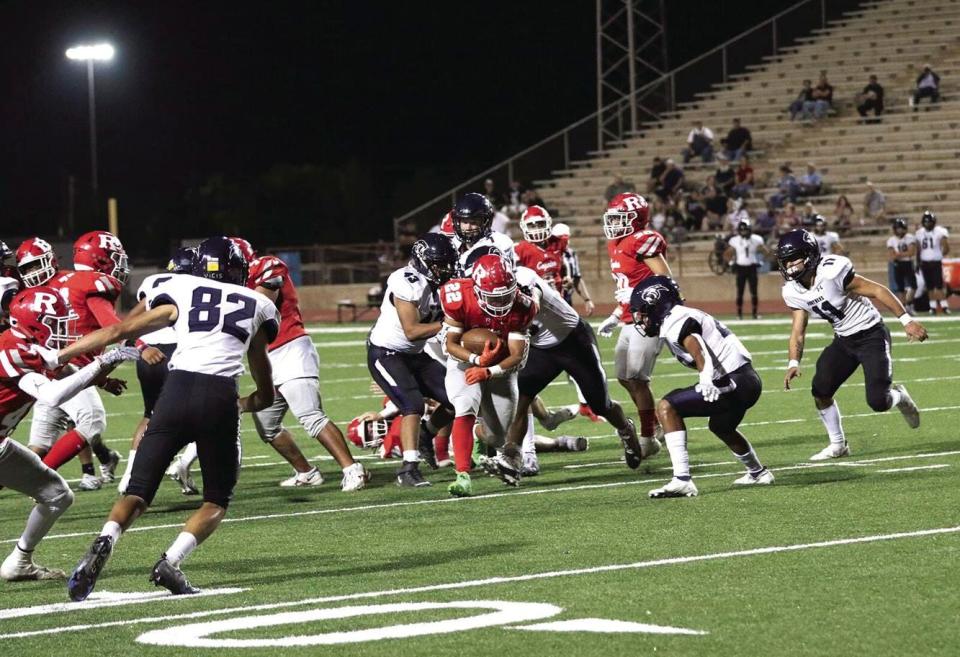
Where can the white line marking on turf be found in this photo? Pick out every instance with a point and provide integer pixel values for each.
(491, 581)
(915, 468)
(101, 599)
(605, 626)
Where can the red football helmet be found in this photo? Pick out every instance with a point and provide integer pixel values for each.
(495, 284)
(535, 224)
(36, 262)
(39, 314)
(562, 232)
(368, 434)
(245, 248)
(101, 251)
(626, 214)
(446, 226)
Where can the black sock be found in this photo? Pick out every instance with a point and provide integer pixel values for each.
(87, 468)
(102, 451)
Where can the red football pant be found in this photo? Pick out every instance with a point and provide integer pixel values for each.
(463, 442)
(67, 446)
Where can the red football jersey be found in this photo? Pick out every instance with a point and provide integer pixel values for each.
(627, 256)
(78, 288)
(459, 300)
(272, 273)
(546, 260)
(16, 359)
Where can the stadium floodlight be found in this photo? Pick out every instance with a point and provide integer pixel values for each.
(97, 52)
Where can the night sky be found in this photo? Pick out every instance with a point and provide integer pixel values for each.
(410, 95)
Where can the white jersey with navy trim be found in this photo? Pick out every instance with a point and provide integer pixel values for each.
(556, 318)
(829, 299)
(901, 246)
(497, 240)
(726, 352)
(165, 335)
(930, 243)
(215, 322)
(746, 249)
(826, 241)
(406, 284)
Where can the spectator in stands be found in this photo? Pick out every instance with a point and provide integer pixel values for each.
(658, 215)
(737, 142)
(871, 98)
(928, 86)
(842, 215)
(618, 186)
(744, 175)
(736, 213)
(874, 204)
(671, 183)
(786, 187)
(805, 95)
(531, 197)
(699, 144)
(715, 203)
(789, 218)
(809, 216)
(655, 172)
(822, 99)
(810, 182)
(489, 190)
(725, 177)
(694, 210)
(513, 199)
(766, 224)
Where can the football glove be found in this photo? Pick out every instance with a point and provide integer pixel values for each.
(606, 328)
(477, 375)
(119, 355)
(490, 354)
(707, 389)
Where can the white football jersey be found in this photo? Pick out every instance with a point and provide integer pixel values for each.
(746, 249)
(726, 351)
(215, 322)
(828, 298)
(555, 319)
(901, 245)
(497, 240)
(929, 242)
(406, 284)
(165, 335)
(826, 241)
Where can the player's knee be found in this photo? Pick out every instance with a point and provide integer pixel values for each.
(56, 497)
(464, 406)
(91, 423)
(219, 497)
(878, 400)
(313, 422)
(665, 410)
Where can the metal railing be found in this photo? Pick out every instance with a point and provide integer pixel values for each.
(581, 139)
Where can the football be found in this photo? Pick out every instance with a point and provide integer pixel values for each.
(474, 339)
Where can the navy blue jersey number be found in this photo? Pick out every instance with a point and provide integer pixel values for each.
(205, 312)
(828, 311)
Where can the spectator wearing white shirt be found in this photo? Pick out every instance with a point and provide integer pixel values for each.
(743, 249)
(699, 144)
(933, 244)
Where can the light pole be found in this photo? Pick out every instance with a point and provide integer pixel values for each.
(101, 52)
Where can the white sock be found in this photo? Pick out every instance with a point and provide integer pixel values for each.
(131, 455)
(411, 455)
(677, 446)
(944, 304)
(113, 530)
(188, 455)
(831, 420)
(529, 446)
(894, 396)
(580, 397)
(181, 548)
(750, 460)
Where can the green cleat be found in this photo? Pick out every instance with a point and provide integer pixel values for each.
(462, 487)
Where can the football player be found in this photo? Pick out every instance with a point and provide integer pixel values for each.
(92, 289)
(217, 320)
(728, 386)
(827, 240)
(40, 318)
(9, 281)
(635, 254)
(296, 376)
(396, 357)
(540, 250)
(934, 244)
(472, 216)
(831, 289)
(902, 251)
(489, 299)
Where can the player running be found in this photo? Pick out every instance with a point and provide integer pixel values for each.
(728, 387)
(830, 288)
(217, 319)
(933, 243)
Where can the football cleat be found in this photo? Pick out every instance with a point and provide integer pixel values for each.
(573, 443)
(831, 452)
(108, 470)
(675, 488)
(508, 470)
(85, 575)
(632, 452)
(170, 577)
(531, 465)
(89, 482)
(462, 487)
(311, 477)
(355, 477)
(19, 566)
(649, 447)
(555, 418)
(764, 477)
(425, 446)
(181, 475)
(907, 407)
(408, 476)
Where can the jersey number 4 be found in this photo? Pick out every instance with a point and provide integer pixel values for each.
(205, 312)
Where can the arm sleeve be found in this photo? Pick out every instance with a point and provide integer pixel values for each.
(56, 392)
(690, 327)
(102, 310)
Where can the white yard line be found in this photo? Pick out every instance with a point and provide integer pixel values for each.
(101, 599)
(919, 467)
(493, 581)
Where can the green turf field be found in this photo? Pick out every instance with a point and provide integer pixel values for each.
(851, 557)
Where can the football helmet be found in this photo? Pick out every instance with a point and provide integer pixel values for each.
(562, 232)
(446, 226)
(797, 254)
(36, 262)
(39, 314)
(650, 302)
(744, 229)
(536, 224)
(819, 224)
(473, 210)
(928, 220)
(476, 254)
(900, 226)
(434, 257)
(368, 434)
(495, 284)
(101, 251)
(181, 262)
(219, 259)
(245, 248)
(626, 214)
